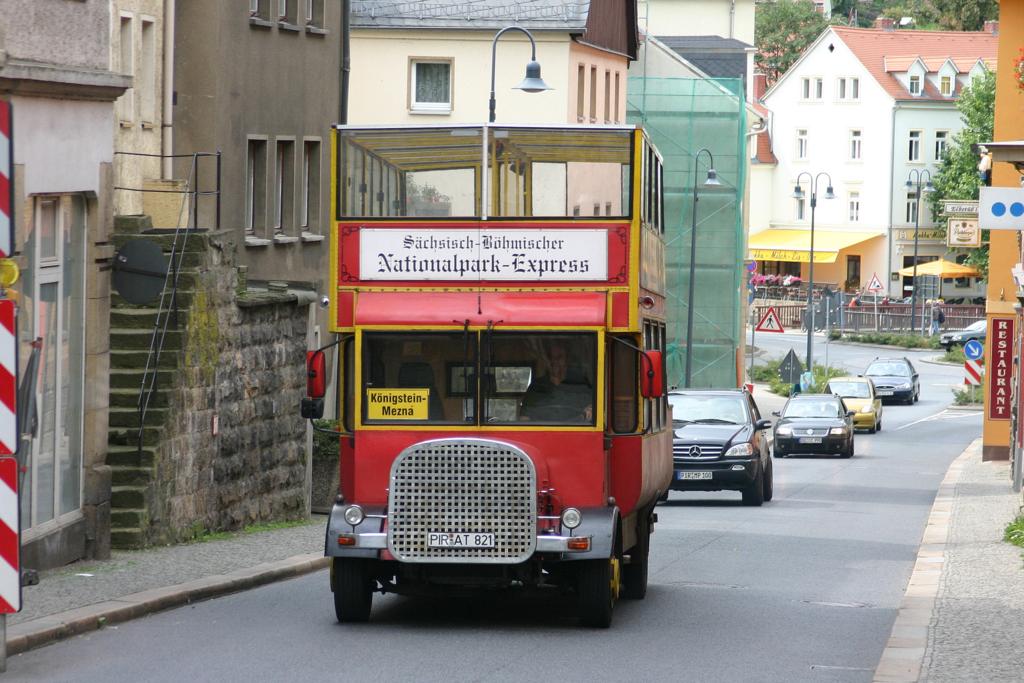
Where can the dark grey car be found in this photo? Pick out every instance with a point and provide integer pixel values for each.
(895, 379)
(814, 423)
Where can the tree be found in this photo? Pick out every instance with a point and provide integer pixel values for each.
(965, 15)
(957, 176)
(782, 31)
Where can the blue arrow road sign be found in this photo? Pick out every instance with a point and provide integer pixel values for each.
(974, 350)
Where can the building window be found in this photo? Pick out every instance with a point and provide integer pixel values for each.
(800, 209)
(946, 86)
(607, 96)
(581, 92)
(286, 11)
(314, 13)
(911, 207)
(593, 94)
(258, 8)
(309, 211)
(915, 85)
(51, 296)
(607, 208)
(849, 88)
(284, 186)
(805, 88)
(147, 73)
(941, 138)
(855, 145)
(853, 271)
(431, 86)
(914, 146)
(126, 65)
(819, 87)
(855, 207)
(618, 118)
(801, 143)
(256, 187)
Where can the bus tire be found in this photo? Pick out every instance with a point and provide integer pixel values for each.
(595, 592)
(634, 574)
(353, 587)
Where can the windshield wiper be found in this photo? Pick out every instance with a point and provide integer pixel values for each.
(681, 422)
(715, 420)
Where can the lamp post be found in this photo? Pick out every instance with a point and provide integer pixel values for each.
(710, 181)
(533, 82)
(798, 193)
(914, 179)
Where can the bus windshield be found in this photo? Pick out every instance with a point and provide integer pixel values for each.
(432, 378)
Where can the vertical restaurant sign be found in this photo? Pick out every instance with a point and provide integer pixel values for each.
(1000, 369)
(494, 254)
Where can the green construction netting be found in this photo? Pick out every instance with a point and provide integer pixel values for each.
(682, 117)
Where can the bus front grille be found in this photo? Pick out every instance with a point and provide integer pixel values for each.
(462, 486)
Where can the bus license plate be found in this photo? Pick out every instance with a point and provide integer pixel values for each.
(438, 539)
(694, 475)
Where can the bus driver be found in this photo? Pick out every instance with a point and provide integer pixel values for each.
(562, 395)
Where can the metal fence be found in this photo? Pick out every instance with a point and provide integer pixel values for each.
(837, 315)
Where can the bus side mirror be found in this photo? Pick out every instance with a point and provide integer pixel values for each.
(315, 374)
(652, 381)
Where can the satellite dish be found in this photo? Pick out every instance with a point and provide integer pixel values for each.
(140, 269)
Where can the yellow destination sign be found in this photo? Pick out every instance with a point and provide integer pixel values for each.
(397, 404)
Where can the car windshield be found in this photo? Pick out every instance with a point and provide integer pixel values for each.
(850, 389)
(811, 408)
(694, 408)
(893, 368)
(975, 327)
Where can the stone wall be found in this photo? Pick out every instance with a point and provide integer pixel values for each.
(243, 368)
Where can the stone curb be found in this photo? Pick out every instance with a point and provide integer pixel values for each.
(45, 630)
(878, 346)
(977, 407)
(933, 361)
(903, 657)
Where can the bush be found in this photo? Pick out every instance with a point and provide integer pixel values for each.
(968, 396)
(769, 373)
(898, 339)
(325, 445)
(954, 355)
(1015, 532)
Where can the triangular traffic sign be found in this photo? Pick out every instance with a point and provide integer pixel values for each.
(770, 322)
(875, 285)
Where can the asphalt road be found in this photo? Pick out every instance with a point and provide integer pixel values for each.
(803, 589)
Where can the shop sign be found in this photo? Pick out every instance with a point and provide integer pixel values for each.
(923, 234)
(960, 207)
(963, 232)
(525, 255)
(1000, 369)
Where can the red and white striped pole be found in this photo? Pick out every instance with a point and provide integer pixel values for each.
(973, 372)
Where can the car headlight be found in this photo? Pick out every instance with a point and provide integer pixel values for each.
(867, 409)
(784, 431)
(740, 449)
(571, 518)
(837, 431)
(354, 515)
(905, 385)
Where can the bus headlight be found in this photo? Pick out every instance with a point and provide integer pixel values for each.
(354, 515)
(571, 518)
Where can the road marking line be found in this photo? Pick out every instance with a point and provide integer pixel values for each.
(941, 415)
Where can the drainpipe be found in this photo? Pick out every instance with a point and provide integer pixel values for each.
(167, 119)
(892, 199)
(732, 19)
(345, 62)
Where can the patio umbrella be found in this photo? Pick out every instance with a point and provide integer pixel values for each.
(941, 268)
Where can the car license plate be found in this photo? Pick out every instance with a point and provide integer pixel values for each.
(438, 539)
(693, 475)
(810, 439)
(885, 393)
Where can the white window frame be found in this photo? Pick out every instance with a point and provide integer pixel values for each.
(912, 208)
(802, 144)
(126, 66)
(847, 88)
(801, 209)
(856, 144)
(941, 143)
(914, 146)
(914, 85)
(946, 86)
(307, 208)
(854, 206)
(431, 107)
(819, 88)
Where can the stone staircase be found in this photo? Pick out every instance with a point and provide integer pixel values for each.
(133, 469)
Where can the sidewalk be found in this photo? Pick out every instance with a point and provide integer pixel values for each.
(960, 619)
(88, 595)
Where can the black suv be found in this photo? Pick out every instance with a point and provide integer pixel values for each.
(720, 443)
(895, 379)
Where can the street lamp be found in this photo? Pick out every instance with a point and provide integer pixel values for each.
(710, 181)
(914, 179)
(533, 82)
(798, 193)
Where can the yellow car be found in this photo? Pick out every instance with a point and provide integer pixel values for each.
(859, 395)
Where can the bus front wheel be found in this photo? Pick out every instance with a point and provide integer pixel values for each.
(352, 583)
(597, 583)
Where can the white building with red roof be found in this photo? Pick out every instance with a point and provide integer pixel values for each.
(870, 108)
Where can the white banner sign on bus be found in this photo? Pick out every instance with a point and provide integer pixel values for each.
(494, 254)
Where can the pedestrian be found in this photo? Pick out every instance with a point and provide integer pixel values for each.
(938, 317)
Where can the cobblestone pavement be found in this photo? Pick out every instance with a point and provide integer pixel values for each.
(127, 572)
(978, 621)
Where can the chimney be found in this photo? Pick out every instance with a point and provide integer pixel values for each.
(992, 26)
(760, 86)
(885, 23)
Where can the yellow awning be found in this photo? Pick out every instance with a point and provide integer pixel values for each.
(941, 268)
(778, 244)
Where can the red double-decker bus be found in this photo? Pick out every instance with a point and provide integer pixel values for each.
(498, 296)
